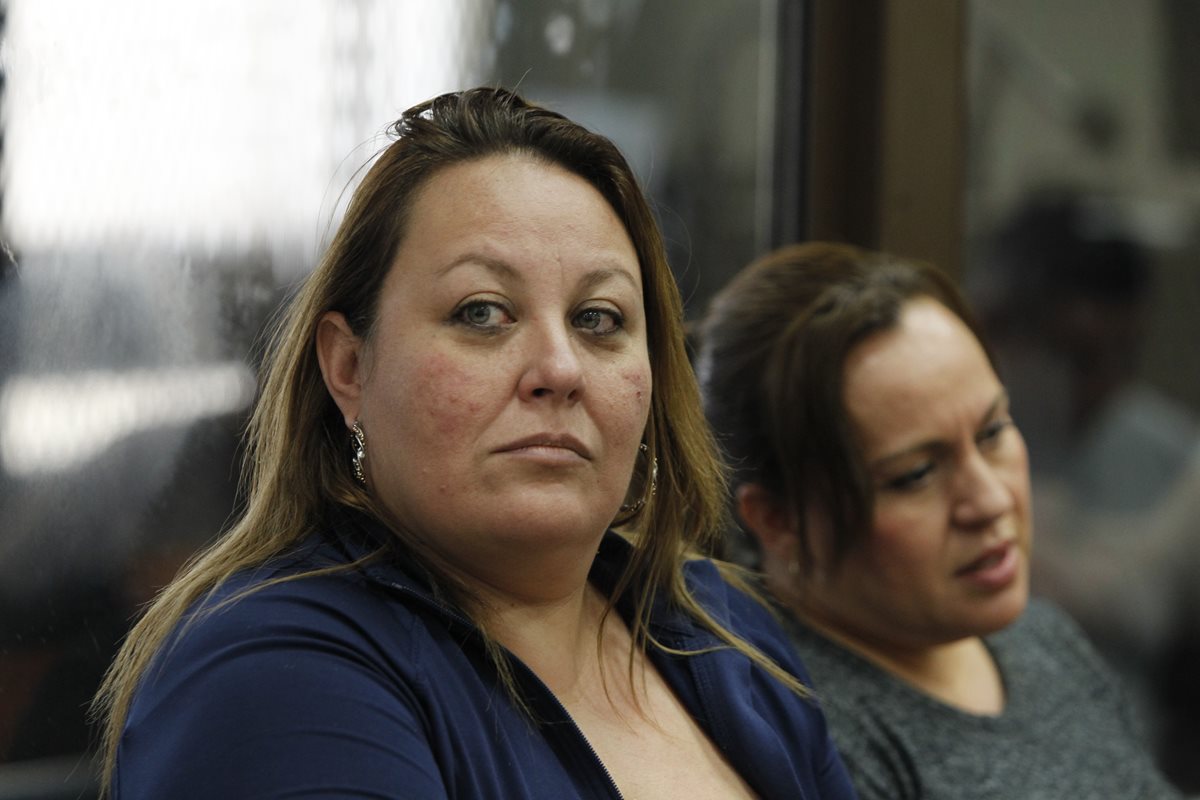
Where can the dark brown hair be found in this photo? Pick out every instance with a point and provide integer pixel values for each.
(773, 348)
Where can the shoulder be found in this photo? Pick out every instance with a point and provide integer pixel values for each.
(762, 725)
(287, 607)
(740, 606)
(872, 717)
(1046, 654)
(720, 591)
(1042, 617)
(710, 586)
(850, 686)
(1051, 640)
(267, 634)
(265, 688)
(326, 596)
(848, 680)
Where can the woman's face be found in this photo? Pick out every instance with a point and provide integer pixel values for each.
(948, 556)
(506, 385)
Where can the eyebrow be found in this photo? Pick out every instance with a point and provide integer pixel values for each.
(504, 270)
(996, 404)
(603, 275)
(494, 265)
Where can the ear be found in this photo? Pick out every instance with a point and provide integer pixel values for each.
(769, 521)
(339, 352)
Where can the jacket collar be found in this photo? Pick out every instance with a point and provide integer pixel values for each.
(357, 535)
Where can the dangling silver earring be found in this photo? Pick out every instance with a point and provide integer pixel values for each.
(630, 510)
(358, 448)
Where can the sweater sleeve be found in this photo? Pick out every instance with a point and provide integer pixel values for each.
(279, 695)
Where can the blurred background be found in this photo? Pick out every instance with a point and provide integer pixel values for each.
(169, 171)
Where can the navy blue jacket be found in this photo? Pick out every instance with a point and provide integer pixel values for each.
(361, 684)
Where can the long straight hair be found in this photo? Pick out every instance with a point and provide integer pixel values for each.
(297, 464)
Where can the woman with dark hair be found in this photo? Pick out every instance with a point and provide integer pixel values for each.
(883, 479)
(425, 595)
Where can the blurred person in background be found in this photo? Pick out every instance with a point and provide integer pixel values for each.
(879, 469)
(1063, 290)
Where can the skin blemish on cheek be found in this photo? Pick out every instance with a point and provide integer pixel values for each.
(638, 382)
(454, 387)
(639, 379)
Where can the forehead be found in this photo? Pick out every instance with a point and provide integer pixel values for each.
(516, 209)
(927, 370)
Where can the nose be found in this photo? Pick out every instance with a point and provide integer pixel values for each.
(552, 369)
(981, 493)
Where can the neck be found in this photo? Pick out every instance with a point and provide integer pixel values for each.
(533, 597)
(503, 570)
(561, 640)
(542, 608)
(960, 673)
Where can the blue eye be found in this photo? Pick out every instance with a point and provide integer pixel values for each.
(483, 314)
(599, 321)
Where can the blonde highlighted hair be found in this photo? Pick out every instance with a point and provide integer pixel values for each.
(297, 466)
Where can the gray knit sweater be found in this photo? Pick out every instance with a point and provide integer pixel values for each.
(1065, 734)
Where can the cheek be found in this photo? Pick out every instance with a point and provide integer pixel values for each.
(637, 382)
(895, 520)
(425, 396)
(443, 394)
(1019, 482)
(634, 390)
(907, 534)
(1020, 465)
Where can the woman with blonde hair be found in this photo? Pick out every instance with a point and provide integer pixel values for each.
(426, 595)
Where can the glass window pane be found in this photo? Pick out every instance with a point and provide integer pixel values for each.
(170, 170)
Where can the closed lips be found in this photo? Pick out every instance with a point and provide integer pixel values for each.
(560, 441)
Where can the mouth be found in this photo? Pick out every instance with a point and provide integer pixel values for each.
(547, 443)
(995, 567)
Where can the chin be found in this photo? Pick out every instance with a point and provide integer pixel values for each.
(552, 516)
(1002, 611)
